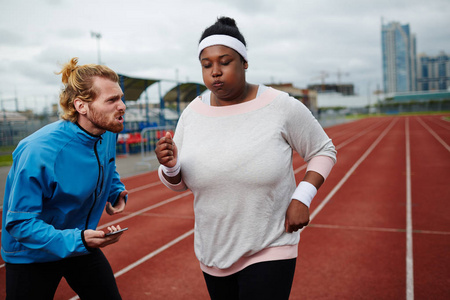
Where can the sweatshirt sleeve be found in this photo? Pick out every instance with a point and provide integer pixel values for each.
(31, 181)
(304, 133)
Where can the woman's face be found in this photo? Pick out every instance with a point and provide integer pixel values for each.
(223, 72)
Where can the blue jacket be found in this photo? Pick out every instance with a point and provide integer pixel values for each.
(57, 187)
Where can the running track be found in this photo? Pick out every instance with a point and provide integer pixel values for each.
(380, 224)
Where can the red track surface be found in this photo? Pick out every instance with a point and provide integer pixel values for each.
(380, 224)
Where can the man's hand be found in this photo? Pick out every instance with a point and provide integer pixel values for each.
(120, 205)
(297, 216)
(97, 238)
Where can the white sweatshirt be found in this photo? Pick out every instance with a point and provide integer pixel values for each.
(237, 161)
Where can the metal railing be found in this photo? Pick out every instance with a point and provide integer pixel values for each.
(11, 132)
(149, 138)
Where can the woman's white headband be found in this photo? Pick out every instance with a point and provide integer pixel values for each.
(225, 40)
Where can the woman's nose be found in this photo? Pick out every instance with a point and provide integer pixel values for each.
(216, 71)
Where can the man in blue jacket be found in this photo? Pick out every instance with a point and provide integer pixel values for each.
(62, 177)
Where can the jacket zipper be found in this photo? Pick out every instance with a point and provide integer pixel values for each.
(100, 177)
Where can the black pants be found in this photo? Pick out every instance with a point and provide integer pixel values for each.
(90, 276)
(265, 280)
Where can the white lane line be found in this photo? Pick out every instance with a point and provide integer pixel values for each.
(148, 256)
(350, 128)
(139, 212)
(143, 187)
(350, 172)
(409, 237)
(441, 122)
(359, 134)
(436, 136)
(346, 142)
(358, 228)
(364, 228)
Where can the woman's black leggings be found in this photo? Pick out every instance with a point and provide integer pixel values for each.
(90, 276)
(265, 280)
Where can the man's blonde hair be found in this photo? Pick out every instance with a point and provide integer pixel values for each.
(79, 83)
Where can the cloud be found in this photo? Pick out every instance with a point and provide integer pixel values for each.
(9, 38)
(290, 41)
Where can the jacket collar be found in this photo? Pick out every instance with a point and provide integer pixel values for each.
(83, 134)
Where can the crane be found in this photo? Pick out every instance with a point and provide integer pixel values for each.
(322, 77)
(339, 74)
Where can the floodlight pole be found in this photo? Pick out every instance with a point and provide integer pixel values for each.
(97, 36)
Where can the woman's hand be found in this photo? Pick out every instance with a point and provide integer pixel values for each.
(297, 216)
(166, 151)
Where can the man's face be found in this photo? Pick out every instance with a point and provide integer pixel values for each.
(106, 112)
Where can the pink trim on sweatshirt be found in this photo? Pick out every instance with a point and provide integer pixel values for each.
(268, 254)
(321, 164)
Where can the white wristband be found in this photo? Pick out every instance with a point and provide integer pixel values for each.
(174, 171)
(304, 193)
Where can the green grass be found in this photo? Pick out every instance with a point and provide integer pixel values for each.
(6, 160)
(424, 113)
(6, 155)
(360, 116)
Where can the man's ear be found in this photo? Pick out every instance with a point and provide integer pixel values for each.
(245, 65)
(80, 106)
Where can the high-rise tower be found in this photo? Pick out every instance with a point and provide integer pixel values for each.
(433, 72)
(399, 58)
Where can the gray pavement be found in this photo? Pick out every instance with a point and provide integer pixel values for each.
(127, 165)
(134, 164)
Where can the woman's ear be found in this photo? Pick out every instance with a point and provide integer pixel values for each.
(80, 106)
(245, 65)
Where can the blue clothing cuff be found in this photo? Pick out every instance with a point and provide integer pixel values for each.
(85, 244)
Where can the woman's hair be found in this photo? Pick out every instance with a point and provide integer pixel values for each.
(226, 26)
(79, 83)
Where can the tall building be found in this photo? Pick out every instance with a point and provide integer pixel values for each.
(399, 58)
(433, 72)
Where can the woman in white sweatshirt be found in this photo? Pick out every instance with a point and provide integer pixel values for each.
(233, 149)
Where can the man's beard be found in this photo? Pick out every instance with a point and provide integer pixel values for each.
(105, 123)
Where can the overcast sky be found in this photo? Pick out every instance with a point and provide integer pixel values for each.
(287, 40)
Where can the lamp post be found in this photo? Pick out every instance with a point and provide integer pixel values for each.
(97, 36)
